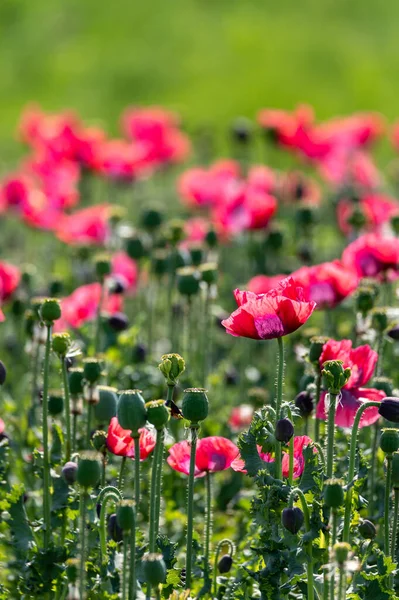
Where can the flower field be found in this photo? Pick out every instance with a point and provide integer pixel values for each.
(199, 392)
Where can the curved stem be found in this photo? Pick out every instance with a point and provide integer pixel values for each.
(351, 468)
(320, 453)
(137, 471)
(332, 407)
(220, 545)
(108, 493)
(386, 503)
(305, 510)
(279, 401)
(395, 525)
(83, 498)
(46, 463)
(190, 502)
(68, 439)
(208, 525)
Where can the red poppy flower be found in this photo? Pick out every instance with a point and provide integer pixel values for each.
(362, 361)
(261, 284)
(326, 284)
(82, 306)
(372, 255)
(119, 159)
(120, 442)
(213, 454)
(241, 417)
(10, 277)
(267, 316)
(88, 226)
(199, 187)
(196, 230)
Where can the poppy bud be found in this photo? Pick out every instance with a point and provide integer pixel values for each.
(154, 569)
(306, 380)
(125, 515)
(393, 333)
(72, 569)
(211, 238)
(89, 469)
(365, 300)
(91, 370)
(55, 403)
(75, 380)
(69, 472)
(335, 375)
(379, 319)
(18, 307)
(99, 441)
(389, 409)
(292, 519)
(367, 529)
(383, 383)
(389, 440)
(118, 321)
(242, 130)
(50, 310)
(333, 493)
(3, 373)
(306, 215)
(56, 286)
(188, 282)
(275, 239)
(316, 348)
(225, 563)
(395, 470)
(103, 266)
(61, 344)
(196, 254)
(209, 273)
(341, 551)
(159, 260)
(157, 413)
(175, 231)
(304, 402)
(131, 411)
(195, 405)
(151, 219)
(135, 248)
(139, 353)
(284, 431)
(114, 531)
(106, 407)
(171, 367)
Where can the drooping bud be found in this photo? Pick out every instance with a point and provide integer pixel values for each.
(89, 469)
(61, 344)
(334, 493)
(195, 405)
(125, 517)
(304, 402)
(284, 430)
(292, 519)
(225, 563)
(131, 411)
(389, 440)
(171, 367)
(335, 375)
(69, 472)
(50, 310)
(106, 407)
(389, 409)
(367, 529)
(154, 569)
(158, 413)
(114, 531)
(393, 333)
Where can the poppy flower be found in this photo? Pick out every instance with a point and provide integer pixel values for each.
(327, 284)
(295, 187)
(372, 255)
(345, 167)
(267, 316)
(199, 187)
(88, 226)
(82, 305)
(362, 362)
(10, 277)
(213, 454)
(120, 442)
(196, 230)
(125, 270)
(241, 417)
(261, 284)
(377, 209)
(121, 160)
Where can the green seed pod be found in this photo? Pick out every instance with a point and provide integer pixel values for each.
(154, 569)
(135, 248)
(158, 413)
(159, 260)
(92, 370)
(195, 405)
(211, 238)
(55, 403)
(383, 383)
(131, 411)
(89, 469)
(395, 470)
(334, 493)
(389, 440)
(171, 367)
(306, 215)
(174, 231)
(125, 517)
(209, 273)
(316, 348)
(75, 380)
(196, 254)
(367, 529)
(188, 282)
(365, 300)
(389, 409)
(103, 266)
(151, 219)
(18, 307)
(275, 239)
(50, 310)
(61, 344)
(335, 375)
(72, 569)
(379, 319)
(341, 551)
(357, 219)
(99, 441)
(55, 288)
(106, 407)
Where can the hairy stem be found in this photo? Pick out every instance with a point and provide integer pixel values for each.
(46, 462)
(190, 504)
(279, 401)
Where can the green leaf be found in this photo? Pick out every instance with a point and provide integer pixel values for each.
(57, 445)
(311, 479)
(20, 529)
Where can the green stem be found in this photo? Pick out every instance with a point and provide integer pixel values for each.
(68, 441)
(132, 571)
(159, 485)
(279, 401)
(291, 461)
(121, 472)
(208, 526)
(190, 501)
(74, 428)
(103, 470)
(153, 491)
(351, 468)
(220, 545)
(333, 542)
(305, 509)
(124, 568)
(316, 420)
(35, 374)
(137, 471)
(89, 419)
(395, 525)
(105, 496)
(46, 462)
(332, 407)
(386, 503)
(342, 584)
(373, 467)
(97, 336)
(83, 499)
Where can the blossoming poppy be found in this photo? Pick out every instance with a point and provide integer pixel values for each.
(10, 277)
(267, 316)
(378, 209)
(241, 417)
(88, 226)
(82, 305)
(125, 270)
(213, 454)
(200, 187)
(327, 284)
(345, 167)
(120, 442)
(373, 255)
(362, 362)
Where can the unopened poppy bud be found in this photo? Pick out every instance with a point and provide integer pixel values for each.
(316, 348)
(196, 254)
(393, 333)
(383, 383)
(367, 529)
(304, 402)
(61, 344)
(89, 469)
(103, 266)
(72, 569)
(306, 380)
(158, 413)
(341, 551)
(114, 531)
(209, 273)
(175, 231)
(131, 411)
(225, 563)
(125, 515)
(151, 219)
(3, 373)
(395, 470)
(56, 286)
(335, 375)
(118, 321)
(92, 370)
(275, 239)
(334, 493)
(75, 380)
(50, 310)
(306, 215)
(135, 247)
(389, 409)
(99, 441)
(55, 403)
(389, 440)
(139, 353)
(379, 319)
(171, 367)
(154, 569)
(69, 472)
(188, 282)
(211, 238)
(284, 430)
(159, 261)
(105, 409)
(242, 130)
(195, 405)
(365, 300)
(292, 519)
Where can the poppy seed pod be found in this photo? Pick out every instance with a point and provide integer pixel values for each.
(139, 353)
(75, 380)
(188, 282)
(379, 319)
(275, 239)
(69, 472)
(365, 300)
(284, 431)
(55, 403)
(154, 569)
(334, 493)
(335, 375)
(158, 413)
(61, 343)
(389, 409)
(211, 238)
(106, 407)
(383, 383)
(171, 367)
(159, 261)
(209, 273)
(341, 551)
(50, 310)
(103, 266)
(306, 215)
(99, 441)
(114, 531)
(135, 248)
(195, 405)
(125, 517)
(292, 519)
(389, 440)
(196, 254)
(225, 563)
(131, 411)
(367, 529)
(306, 379)
(175, 231)
(316, 348)
(151, 218)
(3, 373)
(304, 403)
(357, 218)
(118, 321)
(91, 370)
(89, 469)
(241, 130)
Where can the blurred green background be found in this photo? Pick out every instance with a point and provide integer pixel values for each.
(209, 59)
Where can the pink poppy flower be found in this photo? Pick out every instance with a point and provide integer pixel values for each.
(200, 187)
(345, 167)
(125, 270)
(10, 277)
(372, 255)
(261, 284)
(377, 209)
(327, 284)
(82, 306)
(241, 417)
(120, 442)
(295, 187)
(213, 454)
(88, 226)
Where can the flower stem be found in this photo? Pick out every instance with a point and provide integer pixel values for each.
(124, 568)
(373, 468)
(305, 509)
(351, 468)
(121, 473)
(333, 542)
(386, 503)
(342, 586)
(220, 545)
(83, 498)
(190, 501)
(279, 401)
(132, 571)
(89, 419)
(68, 440)
(159, 483)
(46, 463)
(137, 471)
(208, 526)
(332, 407)
(395, 525)
(316, 420)
(97, 336)
(108, 493)
(153, 491)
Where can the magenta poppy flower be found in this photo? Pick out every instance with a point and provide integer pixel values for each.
(10, 277)
(327, 284)
(125, 270)
(372, 255)
(377, 209)
(213, 454)
(82, 306)
(345, 166)
(362, 361)
(88, 226)
(120, 442)
(261, 284)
